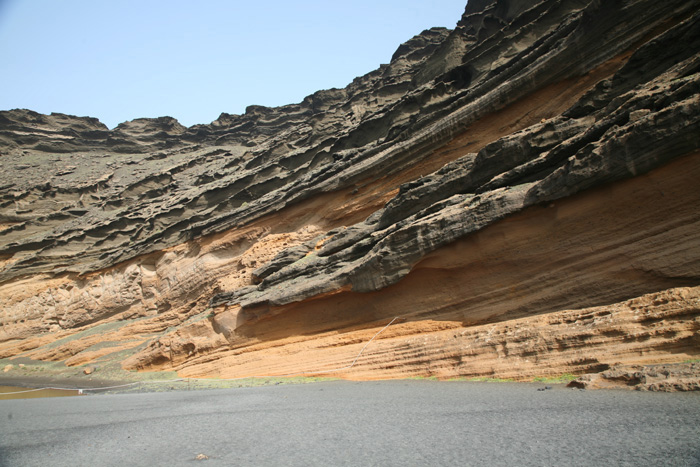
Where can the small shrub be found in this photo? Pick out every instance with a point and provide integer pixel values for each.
(564, 378)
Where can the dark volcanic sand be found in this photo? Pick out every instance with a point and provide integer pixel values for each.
(349, 423)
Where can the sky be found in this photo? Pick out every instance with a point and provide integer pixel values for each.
(118, 60)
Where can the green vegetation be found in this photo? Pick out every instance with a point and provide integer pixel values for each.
(169, 381)
(108, 371)
(99, 329)
(488, 379)
(561, 379)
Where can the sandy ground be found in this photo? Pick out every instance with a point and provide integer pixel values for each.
(357, 423)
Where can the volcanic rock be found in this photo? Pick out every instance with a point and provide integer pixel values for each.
(659, 378)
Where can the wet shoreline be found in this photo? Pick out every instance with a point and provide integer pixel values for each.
(95, 386)
(32, 382)
(39, 387)
(20, 392)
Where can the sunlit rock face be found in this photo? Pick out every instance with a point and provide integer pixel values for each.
(517, 197)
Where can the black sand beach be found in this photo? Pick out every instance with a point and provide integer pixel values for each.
(350, 423)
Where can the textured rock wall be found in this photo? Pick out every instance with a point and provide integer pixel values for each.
(645, 330)
(542, 157)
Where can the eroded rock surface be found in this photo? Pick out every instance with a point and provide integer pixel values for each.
(659, 378)
(540, 157)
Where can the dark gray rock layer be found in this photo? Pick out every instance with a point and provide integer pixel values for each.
(76, 197)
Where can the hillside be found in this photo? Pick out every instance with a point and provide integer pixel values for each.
(516, 197)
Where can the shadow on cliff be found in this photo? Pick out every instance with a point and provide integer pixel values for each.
(602, 246)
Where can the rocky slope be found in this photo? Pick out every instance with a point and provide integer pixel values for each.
(516, 197)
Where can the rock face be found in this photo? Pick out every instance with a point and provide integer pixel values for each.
(517, 197)
(661, 378)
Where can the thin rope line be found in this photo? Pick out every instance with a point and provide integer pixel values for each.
(91, 389)
(359, 354)
(23, 392)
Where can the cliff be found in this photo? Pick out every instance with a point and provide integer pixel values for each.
(516, 197)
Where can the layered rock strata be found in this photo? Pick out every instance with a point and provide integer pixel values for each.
(516, 196)
(663, 378)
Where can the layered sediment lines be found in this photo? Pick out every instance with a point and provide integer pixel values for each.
(516, 196)
(502, 280)
(643, 331)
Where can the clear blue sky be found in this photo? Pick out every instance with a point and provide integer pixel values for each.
(122, 59)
